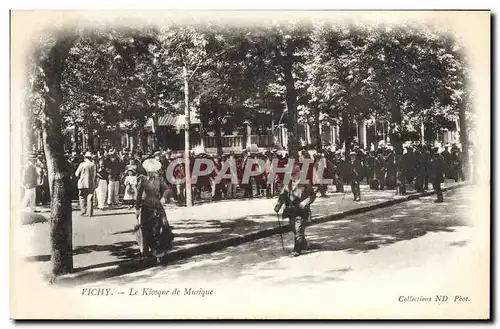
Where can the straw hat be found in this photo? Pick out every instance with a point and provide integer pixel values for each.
(252, 148)
(151, 165)
(199, 150)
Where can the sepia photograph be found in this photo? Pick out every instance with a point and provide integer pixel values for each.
(250, 165)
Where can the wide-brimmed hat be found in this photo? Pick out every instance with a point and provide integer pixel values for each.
(151, 165)
(132, 169)
(199, 150)
(88, 154)
(252, 148)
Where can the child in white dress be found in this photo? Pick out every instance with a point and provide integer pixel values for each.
(130, 187)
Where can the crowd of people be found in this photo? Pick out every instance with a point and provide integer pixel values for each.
(109, 179)
(114, 182)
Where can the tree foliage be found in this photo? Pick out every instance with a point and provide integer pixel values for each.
(290, 71)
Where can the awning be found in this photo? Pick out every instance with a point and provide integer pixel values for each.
(166, 120)
(181, 120)
(170, 120)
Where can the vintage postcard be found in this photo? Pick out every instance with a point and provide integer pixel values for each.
(250, 164)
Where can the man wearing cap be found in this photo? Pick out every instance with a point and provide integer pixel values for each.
(86, 174)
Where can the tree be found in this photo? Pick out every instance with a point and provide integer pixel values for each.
(340, 77)
(228, 91)
(51, 58)
(281, 48)
(51, 90)
(186, 54)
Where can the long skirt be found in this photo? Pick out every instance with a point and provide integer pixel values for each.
(154, 233)
(101, 191)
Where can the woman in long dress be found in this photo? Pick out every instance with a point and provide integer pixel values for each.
(153, 231)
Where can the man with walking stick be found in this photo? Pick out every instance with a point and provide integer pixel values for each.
(297, 197)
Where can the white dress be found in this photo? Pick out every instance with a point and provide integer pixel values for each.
(130, 181)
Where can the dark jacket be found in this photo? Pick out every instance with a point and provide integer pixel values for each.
(30, 176)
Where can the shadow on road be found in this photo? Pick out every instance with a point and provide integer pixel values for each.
(355, 234)
(128, 255)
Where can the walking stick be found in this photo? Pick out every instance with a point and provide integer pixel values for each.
(281, 234)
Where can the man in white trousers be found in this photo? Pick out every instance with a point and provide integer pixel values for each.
(30, 178)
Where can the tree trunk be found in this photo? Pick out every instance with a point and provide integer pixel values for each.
(202, 135)
(57, 166)
(422, 132)
(91, 135)
(344, 133)
(141, 138)
(98, 142)
(395, 129)
(155, 130)
(187, 113)
(77, 139)
(464, 140)
(218, 138)
(291, 103)
(395, 134)
(317, 131)
(28, 135)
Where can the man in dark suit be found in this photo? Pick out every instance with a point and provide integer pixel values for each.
(355, 173)
(437, 172)
(297, 197)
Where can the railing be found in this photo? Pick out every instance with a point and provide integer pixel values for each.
(262, 140)
(237, 141)
(227, 141)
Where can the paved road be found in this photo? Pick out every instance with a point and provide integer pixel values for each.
(107, 237)
(388, 263)
(415, 235)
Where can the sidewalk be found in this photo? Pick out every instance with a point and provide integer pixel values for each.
(106, 239)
